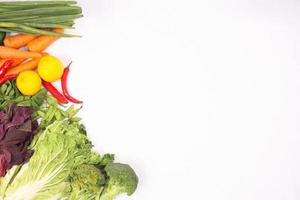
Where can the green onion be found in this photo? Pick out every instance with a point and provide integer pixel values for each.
(37, 25)
(41, 12)
(20, 8)
(19, 19)
(30, 30)
(60, 18)
(43, 19)
(4, 9)
(35, 3)
(33, 17)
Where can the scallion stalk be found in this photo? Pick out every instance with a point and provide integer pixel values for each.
(41, 12)
(33, 17)
(35, 3)
(31, 30)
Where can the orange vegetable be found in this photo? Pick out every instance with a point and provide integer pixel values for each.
(17, 41)
(16, 61)
(7, 52)
(43, 42)
(28, 65)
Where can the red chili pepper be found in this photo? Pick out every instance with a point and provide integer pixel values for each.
(5, 67)
(64, 85)
(7, 78)
(55, 92)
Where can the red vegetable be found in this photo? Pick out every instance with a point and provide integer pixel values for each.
(5, 67)
(55, 92)
(17, 130)
(7, 78)
(64, 85)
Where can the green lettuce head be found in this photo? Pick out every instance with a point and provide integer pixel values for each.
(60, 151)
(64, 167)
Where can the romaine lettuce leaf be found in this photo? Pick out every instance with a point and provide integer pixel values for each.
(61, 150)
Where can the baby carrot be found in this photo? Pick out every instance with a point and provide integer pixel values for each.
(17, 61)
(43, 42)
(18, 41)
(7, 52)
(28, 65)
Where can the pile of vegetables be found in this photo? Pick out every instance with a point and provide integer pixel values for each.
(44, 149)
(57, 161)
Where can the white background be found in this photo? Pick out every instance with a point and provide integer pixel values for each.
(201, 97)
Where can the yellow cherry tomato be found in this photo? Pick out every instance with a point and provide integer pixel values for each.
(29, 83)
(50, 68)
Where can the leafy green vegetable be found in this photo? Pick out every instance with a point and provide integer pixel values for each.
(46, 107)
(62, 151)
(9, 177)
(121, 179)
(63, 165)
(53, 111)
(10, 94)
(17, 130)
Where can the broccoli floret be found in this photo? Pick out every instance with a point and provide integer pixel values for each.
(107, 159)
(121, 179)
(87, 182)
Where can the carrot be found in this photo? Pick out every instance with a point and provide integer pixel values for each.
(18, 41)
(43, 42)
(28, 65)
(16, 61)
(7, 52)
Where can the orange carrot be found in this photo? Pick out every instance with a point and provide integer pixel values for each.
(28, 65)
(18, 41)
(7, 52)
(16, 61)
(43, 42)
